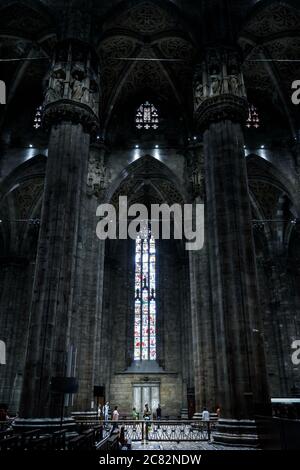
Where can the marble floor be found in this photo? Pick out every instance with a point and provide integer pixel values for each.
(188, 446)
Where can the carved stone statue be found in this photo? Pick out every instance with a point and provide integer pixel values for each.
(234, 85)
(215, 85)
(78, 88)
(55, 90)
(199, 95)
(98, 176)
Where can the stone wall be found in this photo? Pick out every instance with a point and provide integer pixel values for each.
(16, 279)
(173, 326)
(121, 393)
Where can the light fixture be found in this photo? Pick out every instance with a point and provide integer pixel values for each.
(156, 146)
(137, 146)
(195, 138)
(262, 147)
(30, 146)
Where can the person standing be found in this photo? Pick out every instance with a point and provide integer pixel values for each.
(158, 413)
(147, 416)
(115, 417)
(106, 411)
(99, 412)
(205, 415)
(147, 412)
(135, 414)
(206, 420)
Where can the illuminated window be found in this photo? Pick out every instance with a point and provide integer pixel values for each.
(38, 118)
(145, 300)
(253, 121)
(147, 117)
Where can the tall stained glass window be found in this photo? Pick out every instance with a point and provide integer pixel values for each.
(145, 300)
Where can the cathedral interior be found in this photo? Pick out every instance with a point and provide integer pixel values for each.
(165, 102)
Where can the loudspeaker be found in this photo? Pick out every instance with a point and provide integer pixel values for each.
(64, 385)
(99, 391)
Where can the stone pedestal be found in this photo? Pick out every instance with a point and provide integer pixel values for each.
(235, 432)
(184, 413)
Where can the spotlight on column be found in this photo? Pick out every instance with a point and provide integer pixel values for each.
(136, 152)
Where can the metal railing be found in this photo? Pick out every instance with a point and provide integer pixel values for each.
(168, 431)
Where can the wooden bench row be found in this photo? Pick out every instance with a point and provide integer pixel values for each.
(33, 440)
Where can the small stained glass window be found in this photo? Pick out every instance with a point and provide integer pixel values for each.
(147, 117)
(253, 121)
(145, 299)
(37, 122)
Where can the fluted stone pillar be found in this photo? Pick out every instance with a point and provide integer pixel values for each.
(242, 390)
(201, 316)
(70, 111)
(202, 332)
(87, 308)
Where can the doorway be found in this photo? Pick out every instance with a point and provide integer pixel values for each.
(146, 393)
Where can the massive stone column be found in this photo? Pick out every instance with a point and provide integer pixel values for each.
(88, 295)
(70, 111)
(201, 315)
(220, 110)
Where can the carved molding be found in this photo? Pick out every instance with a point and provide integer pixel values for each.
(99, 176)
(146, 18)
(68, 111)
(220, 108)
(275, 18)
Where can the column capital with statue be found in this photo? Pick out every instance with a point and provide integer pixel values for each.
(219, 89)
(72, 86)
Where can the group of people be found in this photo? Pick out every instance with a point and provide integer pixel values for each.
(206, 414)
(104, 413)
(147, 413)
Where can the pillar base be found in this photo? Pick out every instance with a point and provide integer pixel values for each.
(44, 424)
(85, 416)
(184, 413)
(234, 432)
